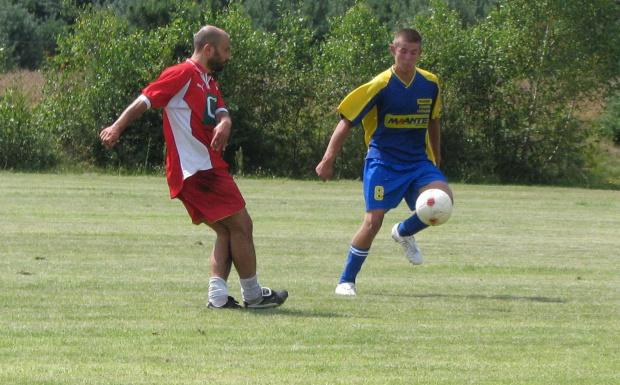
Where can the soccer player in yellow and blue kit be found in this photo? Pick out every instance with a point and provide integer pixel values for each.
(399, 110)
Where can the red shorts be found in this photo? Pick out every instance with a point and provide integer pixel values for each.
(211, 195)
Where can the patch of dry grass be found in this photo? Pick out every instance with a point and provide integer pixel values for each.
(30, 83)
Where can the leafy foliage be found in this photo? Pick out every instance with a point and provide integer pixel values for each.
(293, 90)
(23, 145)
(279, 107)
(514, 77)
(101, 67)
(510, 94)
(358, 46)
(18, 47)
(29, 29)
(609, 123)
(247, 90)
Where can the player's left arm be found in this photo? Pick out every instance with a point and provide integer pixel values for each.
(435, 139)
(221, 132)
(110, 135)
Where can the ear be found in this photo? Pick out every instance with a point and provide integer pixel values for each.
(393, 49)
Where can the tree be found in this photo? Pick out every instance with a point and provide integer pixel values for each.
(19, 47)
(246, 87)
(23, 144)
(270, 90)
(511, 83)
(510, 91)
(609, 121)
(29, 29)
(356, 48)
(101, 67)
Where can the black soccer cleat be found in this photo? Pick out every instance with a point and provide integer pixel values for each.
(271, 299)
(230, 304)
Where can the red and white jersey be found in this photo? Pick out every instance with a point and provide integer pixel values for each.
(190, 97)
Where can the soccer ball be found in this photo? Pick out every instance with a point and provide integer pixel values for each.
(433, 207)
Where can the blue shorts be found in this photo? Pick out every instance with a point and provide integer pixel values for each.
(386, 184)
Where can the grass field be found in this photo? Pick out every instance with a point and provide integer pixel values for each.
(103, 281)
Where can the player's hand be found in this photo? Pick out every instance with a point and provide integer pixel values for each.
(221, 132)
(324, 170)
(110, 136)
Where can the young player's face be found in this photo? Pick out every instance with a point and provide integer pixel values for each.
(406, 55)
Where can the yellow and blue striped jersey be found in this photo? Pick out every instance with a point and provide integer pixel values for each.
(395, 115)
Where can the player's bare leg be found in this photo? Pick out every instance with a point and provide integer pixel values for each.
(241, 243)
(370, 228)
(220, 260)
(358, 251)
(239, 228)
(220, 263)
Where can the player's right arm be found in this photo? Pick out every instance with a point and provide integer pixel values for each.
(110, 135)
(325, 168)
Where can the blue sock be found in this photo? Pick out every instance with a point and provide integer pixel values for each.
(411, 226)
(354, 264)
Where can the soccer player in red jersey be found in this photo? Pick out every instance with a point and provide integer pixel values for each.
(196, 129)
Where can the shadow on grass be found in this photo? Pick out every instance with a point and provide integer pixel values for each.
(477, 296)
(293, 312)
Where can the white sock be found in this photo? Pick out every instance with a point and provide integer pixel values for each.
(251, 291)
(218, 291)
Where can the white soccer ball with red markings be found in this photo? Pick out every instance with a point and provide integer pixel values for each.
(433, 207)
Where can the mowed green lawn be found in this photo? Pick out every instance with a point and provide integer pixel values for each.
(103, 281)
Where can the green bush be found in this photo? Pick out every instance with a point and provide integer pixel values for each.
(509, 92)
(23, 144)
(246, 88)
(356, 49)
(510, 95)
(102, 66)
(19, 46)
(609, 122)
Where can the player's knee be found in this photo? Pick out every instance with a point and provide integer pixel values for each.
(374, 219)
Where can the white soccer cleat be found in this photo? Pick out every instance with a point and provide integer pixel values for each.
(412, 251)
(346, 288)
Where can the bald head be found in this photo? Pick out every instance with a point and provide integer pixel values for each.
(209, 35)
